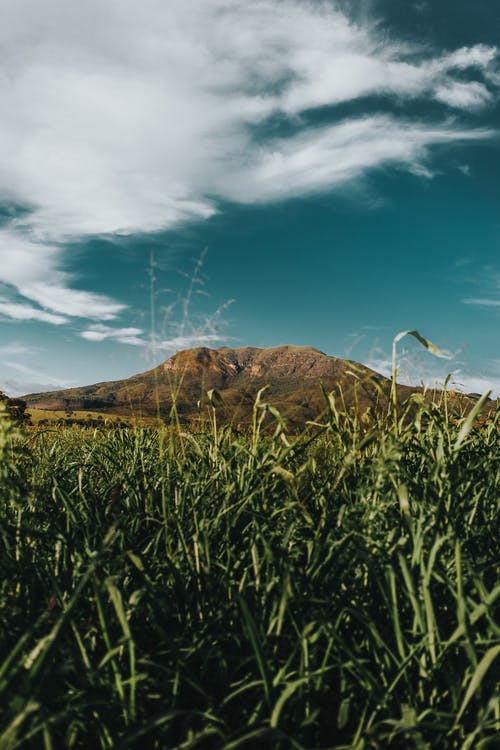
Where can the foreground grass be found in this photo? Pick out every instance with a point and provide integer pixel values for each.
(170, 590)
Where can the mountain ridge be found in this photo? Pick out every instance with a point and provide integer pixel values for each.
(296, 378)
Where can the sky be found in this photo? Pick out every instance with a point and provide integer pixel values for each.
(219, 172)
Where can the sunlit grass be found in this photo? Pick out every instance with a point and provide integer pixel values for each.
(51, 417)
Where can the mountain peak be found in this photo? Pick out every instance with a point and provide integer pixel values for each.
(255, 361)
(295, 376)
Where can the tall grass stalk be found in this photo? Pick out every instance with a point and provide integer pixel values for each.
(217, 589)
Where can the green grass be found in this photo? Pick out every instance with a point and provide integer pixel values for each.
(163, 589)
(51, 416)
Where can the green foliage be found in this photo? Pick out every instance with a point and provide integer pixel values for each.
(16, 409)
(12, 482)
(164, 589)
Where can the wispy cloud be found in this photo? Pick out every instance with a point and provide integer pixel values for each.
(472, 95)
(14, 349)
(99, 332)
(416, 368)
(187, 342)
(134, 117)
(475, 383)
(24, 378)
(18, 311)
(483, 281)
(481, 301)
(135, 337)
(21, 370)
(33, 372)
(33, 270)
(321, 157)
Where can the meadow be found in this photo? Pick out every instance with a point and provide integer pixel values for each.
(224, 589)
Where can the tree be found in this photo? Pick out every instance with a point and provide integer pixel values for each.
(16, 408)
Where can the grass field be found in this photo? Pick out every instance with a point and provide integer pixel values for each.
(339, 589)
(48, 416)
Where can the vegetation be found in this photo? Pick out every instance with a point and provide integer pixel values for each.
(16, 408)
(166, 589)
(68, 418)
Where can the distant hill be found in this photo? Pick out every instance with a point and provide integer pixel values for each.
(295, 376)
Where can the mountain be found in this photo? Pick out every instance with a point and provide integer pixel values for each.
(296, 378)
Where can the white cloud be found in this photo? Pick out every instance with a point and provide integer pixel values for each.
(187, 342)
(417, 368)
(466, 383)
(364, 67)
(482, 302)
(100, 332)
(464, 95)
(14, 387)
(412, 371)
(73, 302)
(33, 380)
(17, 378)
(125, 117)
(471, 383)
(33, 269)
(14, 349)
(135, 337)
(19, 311)
(321, 157)
(480, 56)
(33, 372)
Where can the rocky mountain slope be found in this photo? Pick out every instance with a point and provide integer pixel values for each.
(296, 378)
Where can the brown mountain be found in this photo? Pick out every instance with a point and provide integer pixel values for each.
(295, 376)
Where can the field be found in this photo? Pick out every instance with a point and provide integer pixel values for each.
(218, 590)
(47, 417)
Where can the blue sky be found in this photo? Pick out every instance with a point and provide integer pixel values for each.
(218, 172)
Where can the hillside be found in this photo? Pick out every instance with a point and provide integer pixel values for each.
(295, 378)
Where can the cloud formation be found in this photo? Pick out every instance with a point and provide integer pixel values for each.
(19, 311)
(319, 158)
(32, 269)
(188, 341)
(17, 378)
(481, 301)
(126, 117)
(100, 332)
(135, 337)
